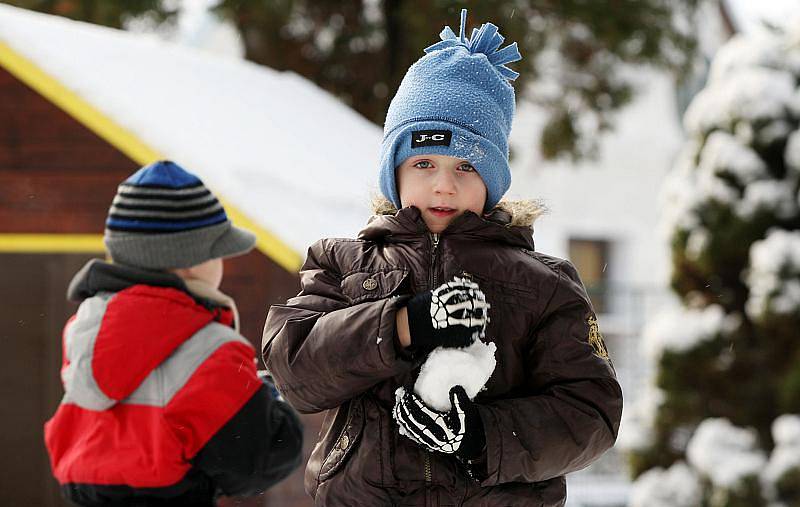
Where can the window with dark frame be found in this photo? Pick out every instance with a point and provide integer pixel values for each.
(590, 257)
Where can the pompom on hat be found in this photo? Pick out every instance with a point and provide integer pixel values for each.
(456, 100)
(164, 217)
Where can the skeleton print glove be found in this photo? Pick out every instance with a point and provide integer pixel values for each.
(454, 314)
(458, 432)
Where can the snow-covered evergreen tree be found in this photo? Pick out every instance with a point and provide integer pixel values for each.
(719, 427)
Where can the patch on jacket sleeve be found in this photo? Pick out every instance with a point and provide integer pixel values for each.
(596, 339)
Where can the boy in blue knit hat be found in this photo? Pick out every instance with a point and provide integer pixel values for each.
(443, 265)
(162, 403)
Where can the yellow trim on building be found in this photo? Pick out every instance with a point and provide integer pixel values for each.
(64, 98)
(130, 145)
(266, 242)
(51, 243)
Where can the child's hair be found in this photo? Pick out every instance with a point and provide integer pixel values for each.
(163, 217)
(457, 101)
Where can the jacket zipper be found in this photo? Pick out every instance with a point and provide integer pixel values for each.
(433, 282)
(435, 245)
(428, 474)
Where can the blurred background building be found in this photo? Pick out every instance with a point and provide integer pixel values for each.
(251, 100)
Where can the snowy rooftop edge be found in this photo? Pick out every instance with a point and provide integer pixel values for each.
(287, 154)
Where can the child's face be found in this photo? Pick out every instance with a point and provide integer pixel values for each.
(442, 187)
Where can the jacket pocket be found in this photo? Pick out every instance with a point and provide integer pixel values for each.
(345, 442)
(359, 286)
(407, 460)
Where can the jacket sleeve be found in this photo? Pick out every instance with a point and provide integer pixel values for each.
(259, 446)
(229, 425)
(320, 349)
(568, 412)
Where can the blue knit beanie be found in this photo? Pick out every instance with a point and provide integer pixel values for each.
(163, 217)
(457, 101)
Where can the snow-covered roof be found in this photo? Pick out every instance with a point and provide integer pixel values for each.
(287, 158)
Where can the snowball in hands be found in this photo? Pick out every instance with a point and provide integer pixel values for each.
(469, 367)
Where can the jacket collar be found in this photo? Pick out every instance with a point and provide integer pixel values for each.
(100, 276)
(407, 225)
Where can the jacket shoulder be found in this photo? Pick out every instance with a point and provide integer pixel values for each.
(547, 261)
(529, 268)
(331, 244)
(566, 281)
(337, 254)
(551, 266)
(557, 278)
(216, 333)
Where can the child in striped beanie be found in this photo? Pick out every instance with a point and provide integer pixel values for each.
(164, 217)
(162, 404)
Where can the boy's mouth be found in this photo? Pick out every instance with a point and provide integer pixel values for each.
(442, 211)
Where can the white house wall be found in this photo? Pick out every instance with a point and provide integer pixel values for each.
(614, 197)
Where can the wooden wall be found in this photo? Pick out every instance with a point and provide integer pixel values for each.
(56, 176)
(33, 312)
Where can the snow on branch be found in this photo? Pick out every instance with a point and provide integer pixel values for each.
(774, 275)
(785, 457)
(752, 79)
(681, 329)
(677, 486)
(724, 453)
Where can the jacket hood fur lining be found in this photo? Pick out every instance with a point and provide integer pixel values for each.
(523, 212)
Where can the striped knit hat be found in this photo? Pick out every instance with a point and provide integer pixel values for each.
(163, 217)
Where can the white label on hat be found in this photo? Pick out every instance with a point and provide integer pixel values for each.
(420, 138)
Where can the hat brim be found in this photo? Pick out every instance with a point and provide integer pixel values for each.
(180, 249)
(233, 242)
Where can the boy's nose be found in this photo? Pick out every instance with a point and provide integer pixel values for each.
(444, 183)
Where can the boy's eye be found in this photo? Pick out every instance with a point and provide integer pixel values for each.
(423, 164)
(466, 167)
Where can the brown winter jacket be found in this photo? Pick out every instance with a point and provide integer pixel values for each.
(552, 405)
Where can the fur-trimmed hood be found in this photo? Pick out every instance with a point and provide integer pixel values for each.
(523, 212)
(510, 223)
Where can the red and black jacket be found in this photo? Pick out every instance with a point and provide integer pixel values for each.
(162, 402)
